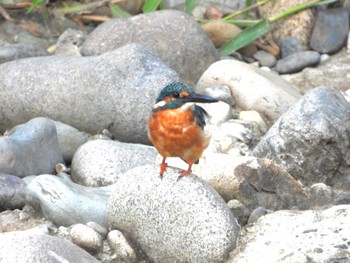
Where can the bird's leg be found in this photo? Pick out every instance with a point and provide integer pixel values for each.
(186, 172)
(163, 167)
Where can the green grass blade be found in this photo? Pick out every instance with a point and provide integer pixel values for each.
(150, 6)
(245, 37)
(34, 4)
(190, 5)
(117, 12)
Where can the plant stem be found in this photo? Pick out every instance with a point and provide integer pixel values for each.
(245, 9)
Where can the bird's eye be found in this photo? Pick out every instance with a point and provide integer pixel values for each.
(176, 94)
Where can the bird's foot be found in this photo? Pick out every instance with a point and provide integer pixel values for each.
(184, 173)
(162, 169)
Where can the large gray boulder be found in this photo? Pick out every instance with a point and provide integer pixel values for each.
(172, 220)
(312, 139)
(172, 35)
(115, 90)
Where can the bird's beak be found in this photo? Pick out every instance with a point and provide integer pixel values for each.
(195, 97)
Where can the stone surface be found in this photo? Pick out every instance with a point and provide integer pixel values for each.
(332, 73)
(31, 150)
(121, 247)
(183, 45)
(296, 236)
(69, 42)
(18, 51)
(11, 190)
(297, 61)
(89, 93)
(27, 247)
(222, 93)
(253, 116)
(311, 140)
(66, 203)
(330, 31)
(172, 220)
(251, 87)
(86, 237)
(102, 162)
(265, 59)
(298, 25)
(290, 45)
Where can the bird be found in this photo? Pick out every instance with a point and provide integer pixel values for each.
(176, 125)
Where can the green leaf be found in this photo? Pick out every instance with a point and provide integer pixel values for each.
(245, 37)
(117, 12)
(150, 6)
(190, 5)
(34, 4)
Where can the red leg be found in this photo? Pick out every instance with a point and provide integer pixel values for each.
(184, 173)
(163, 167)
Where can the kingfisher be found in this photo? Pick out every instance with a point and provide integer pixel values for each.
(176, 125)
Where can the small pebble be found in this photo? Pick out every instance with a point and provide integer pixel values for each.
(297, 62)
(120, 246)
(98, 228)
(257, 213)
(265, 59)
(86, 237)
(290, 45)
(222, 93)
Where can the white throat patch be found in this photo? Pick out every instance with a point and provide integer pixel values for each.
(187, 106)
(159, 104)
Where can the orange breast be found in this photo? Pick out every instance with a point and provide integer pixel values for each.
(175, 133)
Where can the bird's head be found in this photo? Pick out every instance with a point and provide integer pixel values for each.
(177, 94)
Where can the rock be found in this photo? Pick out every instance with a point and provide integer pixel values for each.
(69, 42)
(251, 88)
(98, 228)
(265, 58)
(66, 203)
(183, 45)
(311, 140)
(321, 195)
(172, 220)
(234, 137)
(31, 150)
(86, 237)
(257, 213)
(69, 139)
(24, 246)
(297, 61)
(116, 92)
(103, 162)
(330, 31)
(332, 73)
(298, 25)
(239, 211)
(348, 44)
(290, 45)
(11, 190)
(19, 220)
(222, 93)
(18, 51)
(296, 236)
(121, 247)
(220, 32)
(253, 116)
(219, 112)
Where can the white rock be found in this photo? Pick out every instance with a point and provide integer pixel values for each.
(86, 237)
(251, 87)
(120, 246)
(296, 236)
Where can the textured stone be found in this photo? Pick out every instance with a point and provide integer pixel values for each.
(102, 162)
(172, 220)
(31, 150)
(297, 61)
(11, 190)
(311, 140)
(296, 236)
(251, 87)
(120, 246)
(86, 237)
(290, 45)
(183, 45)
(265, 58)
(18, 51)
(27, 247)
(66, 203)
(115, 90)
(330, 31)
